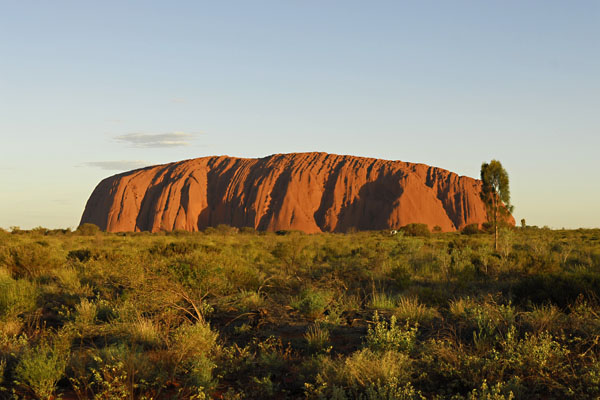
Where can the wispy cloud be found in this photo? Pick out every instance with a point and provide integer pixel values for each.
(172, 139)
(120, 165)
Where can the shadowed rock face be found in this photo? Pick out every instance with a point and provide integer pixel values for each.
(311, 192)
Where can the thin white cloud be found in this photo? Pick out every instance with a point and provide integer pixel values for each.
(118, 165)
(172, 139)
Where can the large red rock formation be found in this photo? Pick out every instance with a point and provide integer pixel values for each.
(311, 192)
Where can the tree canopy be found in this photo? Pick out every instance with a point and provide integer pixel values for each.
(495, 193)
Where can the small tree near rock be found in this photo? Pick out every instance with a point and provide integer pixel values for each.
(495, 193)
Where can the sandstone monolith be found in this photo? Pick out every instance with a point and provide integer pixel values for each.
(311, 192)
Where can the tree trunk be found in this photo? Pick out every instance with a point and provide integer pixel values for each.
(495, 202)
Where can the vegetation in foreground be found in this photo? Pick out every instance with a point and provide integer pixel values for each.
(234, 314)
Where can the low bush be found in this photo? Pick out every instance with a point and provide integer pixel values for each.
(470, 229)
(383, 335)
(16, 296)
(312, 303)
(173, 249)
(364, 375)
(39, 369)
(30, 260)
(81, 255)
(88, 229)
(416, 230)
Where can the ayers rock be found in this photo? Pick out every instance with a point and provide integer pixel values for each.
(311, 192)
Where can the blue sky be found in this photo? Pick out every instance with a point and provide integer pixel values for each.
(89, 89)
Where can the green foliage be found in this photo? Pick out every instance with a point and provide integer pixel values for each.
(88, 229)
(495, 182)
(486, 392)
(39, 368)
(312, 303)
(401, 277)
(81, 255)
(228, 314)
(317, 338)
(391, 390)
(31, 259)
(416, 230)
(194, 340)
(120, 372)
(173, 249)
(470, 229)
(495, 194)
(411, 309)
(364, 375)
(383, 335)
(16, 296)
(382, 301)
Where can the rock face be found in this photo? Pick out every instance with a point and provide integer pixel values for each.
(311, 192)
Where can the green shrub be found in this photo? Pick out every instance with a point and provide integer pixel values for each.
(401, 277)
(584, 317)
(542, 358)
(224, 229)
(483, 320)
(391, 389)
(86, 312)
(81, 255)
(199, 377)
(145, 332)
(88, 229)
(311, 302)
(470, 229)
(193, 348)
(495, 392)
(174, 249)
(383, 335)
(68, 279)
(30, 260)
(106, 312)
(16, 296)
(247, 300)
(40, 368)
(546, 317)
(194, 340)
(364, 375)
(121, 372)
(416, 230)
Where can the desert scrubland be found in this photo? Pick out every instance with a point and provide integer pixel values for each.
(232, 314)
